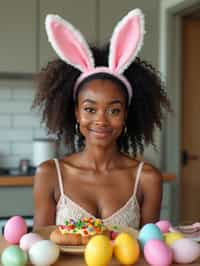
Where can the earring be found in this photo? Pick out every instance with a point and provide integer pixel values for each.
(77, 131)
(125, 131)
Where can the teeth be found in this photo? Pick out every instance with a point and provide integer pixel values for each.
(100, 131)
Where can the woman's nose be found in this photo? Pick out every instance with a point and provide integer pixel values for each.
(101, 118)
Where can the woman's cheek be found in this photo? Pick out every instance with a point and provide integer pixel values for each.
(83, 123)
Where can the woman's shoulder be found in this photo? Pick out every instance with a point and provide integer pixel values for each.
(149, 172)
(46, 173)
(46, 167)
(150, 176)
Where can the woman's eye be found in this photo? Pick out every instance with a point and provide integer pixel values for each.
(114, 111)
(89, 109)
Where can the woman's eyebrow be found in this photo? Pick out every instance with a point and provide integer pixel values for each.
(115, 101)
(89, 101)
(94, 102)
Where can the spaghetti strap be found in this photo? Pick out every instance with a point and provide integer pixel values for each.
(139, 170)
(59, 176)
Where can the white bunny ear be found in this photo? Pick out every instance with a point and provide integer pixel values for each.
(68, 43)
(126, 41)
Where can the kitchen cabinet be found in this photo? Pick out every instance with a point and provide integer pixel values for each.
(18, 22)
(16, 200)
(21, 187)
(82, 14)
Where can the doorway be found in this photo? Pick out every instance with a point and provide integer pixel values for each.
(172, 14)
(190, 121)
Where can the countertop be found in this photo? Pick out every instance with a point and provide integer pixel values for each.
(13, 181)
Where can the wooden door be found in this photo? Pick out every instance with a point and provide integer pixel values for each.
(190, 174)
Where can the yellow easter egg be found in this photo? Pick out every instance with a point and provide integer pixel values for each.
(98, 251)
(171, 237)
(126, 249)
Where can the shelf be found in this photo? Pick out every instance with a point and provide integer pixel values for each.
(23, 181)
(15, 181)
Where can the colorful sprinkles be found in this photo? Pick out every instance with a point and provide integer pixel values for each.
(85, 226)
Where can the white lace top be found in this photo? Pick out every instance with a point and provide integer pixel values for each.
(127, 215)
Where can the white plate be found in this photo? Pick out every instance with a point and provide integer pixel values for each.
(77, 250)
(188, 231)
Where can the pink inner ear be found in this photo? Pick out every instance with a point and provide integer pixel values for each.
(126, 43)
(69, 46)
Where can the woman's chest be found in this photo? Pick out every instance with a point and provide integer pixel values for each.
(100, 195)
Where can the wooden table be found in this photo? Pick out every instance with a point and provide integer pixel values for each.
(66, 259)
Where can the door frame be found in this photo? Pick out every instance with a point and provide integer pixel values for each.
(170, 67)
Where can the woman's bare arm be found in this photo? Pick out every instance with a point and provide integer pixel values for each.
(44, 194)
(151, 186)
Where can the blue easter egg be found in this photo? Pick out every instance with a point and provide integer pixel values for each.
(148, 232)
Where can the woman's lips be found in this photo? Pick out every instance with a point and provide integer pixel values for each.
(100, 133)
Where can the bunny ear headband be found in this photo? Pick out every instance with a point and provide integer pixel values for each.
(71, 46)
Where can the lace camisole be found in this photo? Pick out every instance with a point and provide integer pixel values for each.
(127, 215)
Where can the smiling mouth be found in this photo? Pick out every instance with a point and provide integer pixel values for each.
(100, 133)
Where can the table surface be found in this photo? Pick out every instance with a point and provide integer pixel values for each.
(66, 259)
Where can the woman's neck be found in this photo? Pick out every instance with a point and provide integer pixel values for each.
(100, 158)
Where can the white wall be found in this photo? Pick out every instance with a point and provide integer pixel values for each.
(19, 125)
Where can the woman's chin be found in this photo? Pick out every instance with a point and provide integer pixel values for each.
(101, 142)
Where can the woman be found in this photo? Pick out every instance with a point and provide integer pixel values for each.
(106, 114)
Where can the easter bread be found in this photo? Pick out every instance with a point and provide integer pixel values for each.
(78, 232)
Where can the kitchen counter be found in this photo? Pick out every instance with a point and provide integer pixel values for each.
(13, 181)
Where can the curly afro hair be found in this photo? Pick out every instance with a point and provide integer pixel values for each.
(145, 113)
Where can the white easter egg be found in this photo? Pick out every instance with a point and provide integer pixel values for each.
(44, 253)
(27, 240)
(185, 250)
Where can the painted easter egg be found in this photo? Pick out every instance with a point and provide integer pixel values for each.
(185, 250)
(164, 225)
(126, 249)
(148, 232)
(13, 255)
(15, 228)
(171, 237)
(43, 252)
(156, 252)
(98, 251)
(28, 240)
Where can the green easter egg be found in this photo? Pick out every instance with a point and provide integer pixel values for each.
(13, 256)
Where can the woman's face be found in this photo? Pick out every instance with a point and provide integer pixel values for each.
(101, 112)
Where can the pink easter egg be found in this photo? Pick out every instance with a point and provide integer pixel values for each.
(156, 252)
(164, 225)
(15, 228)
(28, 240)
